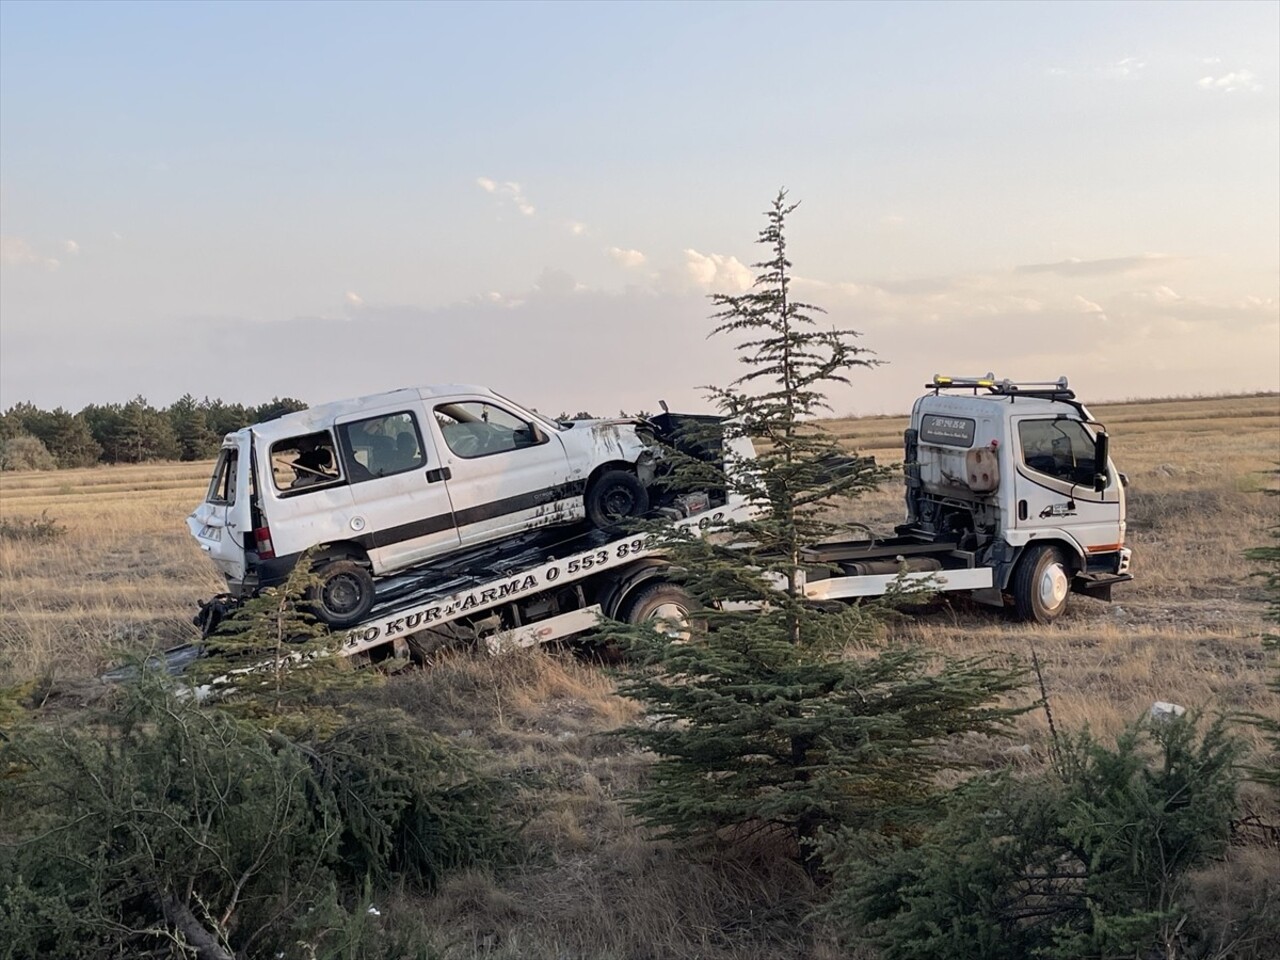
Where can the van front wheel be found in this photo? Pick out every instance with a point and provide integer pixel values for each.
(616, 496)
(344, 595)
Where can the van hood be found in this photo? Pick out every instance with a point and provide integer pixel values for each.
(597, 441)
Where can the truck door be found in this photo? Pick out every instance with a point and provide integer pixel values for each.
(220, 524)
(506, 474)
(402, 508)
(1054, 485)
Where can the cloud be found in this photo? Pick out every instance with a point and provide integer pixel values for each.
(1074, 267)
(509, 192)
(576, 227)
(1231, 82)
(15, 251)
(1123, 68)
(354, 299)
(716, 271)
(71, 247)
(892, 220)
(627, 258)
(1089, 307)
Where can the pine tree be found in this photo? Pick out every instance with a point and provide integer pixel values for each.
(70, 441)
(763, 719)
(1089, 864)
(271, 659)
(195, 440)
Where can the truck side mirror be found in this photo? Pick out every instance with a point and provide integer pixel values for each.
(1101, 446)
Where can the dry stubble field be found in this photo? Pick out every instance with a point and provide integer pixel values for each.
(126, 575)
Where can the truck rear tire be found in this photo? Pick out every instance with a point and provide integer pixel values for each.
(1041, 585)
(344, 595)
(664, 604)
(616, 496)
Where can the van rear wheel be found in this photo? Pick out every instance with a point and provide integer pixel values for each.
(344, 595)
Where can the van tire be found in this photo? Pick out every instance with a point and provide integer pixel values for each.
(614, 497)
(345, 594)
(1041, 585)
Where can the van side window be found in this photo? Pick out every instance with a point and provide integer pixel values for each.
(472, 428)
(382, 446)
(304, 463)
(222, 489)
(1060, 448)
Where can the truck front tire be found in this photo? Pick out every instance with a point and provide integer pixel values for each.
(616, 496)
(1041, 585)
(344, 595)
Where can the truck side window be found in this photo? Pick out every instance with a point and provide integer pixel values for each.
(1060, 448)
(382, 446)
(306, 462)
(472, 428)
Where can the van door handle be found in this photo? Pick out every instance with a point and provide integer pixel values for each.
(438, 474)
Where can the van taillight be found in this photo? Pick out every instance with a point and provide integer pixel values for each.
(262, 536)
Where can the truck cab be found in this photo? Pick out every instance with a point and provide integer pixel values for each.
(1019, 474)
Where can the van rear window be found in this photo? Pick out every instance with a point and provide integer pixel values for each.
(304, 463)
(222, 488)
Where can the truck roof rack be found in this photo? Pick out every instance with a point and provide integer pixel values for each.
(1048, 389)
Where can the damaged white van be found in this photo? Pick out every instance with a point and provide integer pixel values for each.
(382, 483)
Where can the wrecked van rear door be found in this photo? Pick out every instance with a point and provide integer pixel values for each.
(222, 524)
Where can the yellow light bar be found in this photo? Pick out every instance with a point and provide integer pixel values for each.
(940, 381)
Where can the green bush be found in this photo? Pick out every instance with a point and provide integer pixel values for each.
(1092, 865)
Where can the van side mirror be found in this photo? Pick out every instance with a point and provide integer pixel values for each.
(1101, 446)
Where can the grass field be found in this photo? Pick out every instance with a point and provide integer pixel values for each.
(125, 575)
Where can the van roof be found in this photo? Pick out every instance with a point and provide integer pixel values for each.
(323, 414)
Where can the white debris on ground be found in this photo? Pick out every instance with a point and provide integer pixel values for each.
(1162, 710)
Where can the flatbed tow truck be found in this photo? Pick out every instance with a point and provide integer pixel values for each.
(1010, 494)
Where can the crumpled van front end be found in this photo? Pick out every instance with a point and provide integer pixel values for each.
(223, 523)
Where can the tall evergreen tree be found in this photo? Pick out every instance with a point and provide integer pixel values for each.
(145, 433)
(191, 429)
(69, 439)
(759, 715)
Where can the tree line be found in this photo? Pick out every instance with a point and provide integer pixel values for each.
(133, 432)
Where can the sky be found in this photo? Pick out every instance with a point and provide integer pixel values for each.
(248, 200)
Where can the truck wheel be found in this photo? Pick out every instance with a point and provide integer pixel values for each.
(614, 497)
(1041, 585)
(664, 606)
(344, 595)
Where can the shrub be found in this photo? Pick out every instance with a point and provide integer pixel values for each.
(25, 452)
(1089, 866)
(39, 529)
